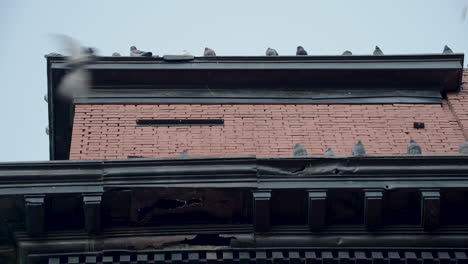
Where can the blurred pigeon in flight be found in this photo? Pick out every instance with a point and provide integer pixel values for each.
(301, 51)
(447, 50)
(329, 153)
(347, 53)
(209, 52)
(377, 51)
(134, 52)
(414, 148)
(271, 52)
(78, 79)
(358, 149)
(299, 150)
(186, 53)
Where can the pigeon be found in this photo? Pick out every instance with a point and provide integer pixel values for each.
(447, 50)
(329, 153)
(271, 52)
(47, 130)
(299, 151)
(301, 51)
(377, 51)
(185, 53)
(184, 154)
(347, 53)
(358, 149)
(116, 54)
(209, 52)
(414, 148)
(46, 98)
(134, 52)
(76, 81)
(54, 54)
(463, 148)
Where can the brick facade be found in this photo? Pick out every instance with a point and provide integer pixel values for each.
(108, 131)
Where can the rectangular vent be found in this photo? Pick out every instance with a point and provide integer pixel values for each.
(178, 122)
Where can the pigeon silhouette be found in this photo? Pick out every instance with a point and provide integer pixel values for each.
(447, 50)
(347, 53)
(329, 153)
(184, 154)
(358, 149)
(463, 148)
(271, 52)
(299, 151)
(116, 54)
(377, 51)
(77, 80)
(209, 52)
(134, 52)
(301, 51)
(46, 98)
(414, 148)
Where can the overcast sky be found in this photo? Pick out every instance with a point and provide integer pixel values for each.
(229, 27)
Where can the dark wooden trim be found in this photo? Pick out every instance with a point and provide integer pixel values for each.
(34, 213)
(373, 208)
(316, 208)
(430, 209)
(261, 210)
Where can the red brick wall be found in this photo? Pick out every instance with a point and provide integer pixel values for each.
(107, 131)
(458, 103)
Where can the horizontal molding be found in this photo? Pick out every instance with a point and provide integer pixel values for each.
(368, 172)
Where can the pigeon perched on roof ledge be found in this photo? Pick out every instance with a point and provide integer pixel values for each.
(271, 52)
(134, 52)
(299, 151)
(209, 52)
(414, 148)
(184, 154)
(116, 54)
(358, 149)
(347, 53)
(329, 153)
(301, 51)
(447, 50)
(463, 148)
(377, 51)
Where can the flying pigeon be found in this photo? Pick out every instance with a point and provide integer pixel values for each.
(329, 153)
(271, 52)
(463, 148)
(377, 51)
(358, 149)
(77, 80)
(185, 52)
(184, 154)
(301, 51)
(116, 54)
(47, 130)
(447, 50)
(209, 52)
(414, 148)
(46, 98)
(299, 151)
(347, 53)
(134, 52)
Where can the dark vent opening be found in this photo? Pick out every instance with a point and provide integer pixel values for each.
(178, 122)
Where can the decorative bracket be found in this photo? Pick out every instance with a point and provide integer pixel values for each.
(261, 210)
(316, 208)
(430, 209)
(373, 206)
(34, 213)
(92, 212)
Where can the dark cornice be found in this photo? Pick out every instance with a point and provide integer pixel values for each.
(380, 172)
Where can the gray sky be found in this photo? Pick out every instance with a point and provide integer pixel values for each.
(241, 27)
